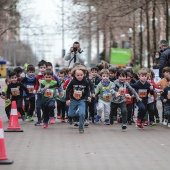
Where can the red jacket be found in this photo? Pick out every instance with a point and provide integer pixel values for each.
(66, 83)
(127, 99)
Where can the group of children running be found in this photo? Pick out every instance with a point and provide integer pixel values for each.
(82, 95)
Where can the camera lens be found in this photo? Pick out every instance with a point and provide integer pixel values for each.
(74, 49)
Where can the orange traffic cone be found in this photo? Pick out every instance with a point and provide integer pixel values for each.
(13, 125)
(3, 157)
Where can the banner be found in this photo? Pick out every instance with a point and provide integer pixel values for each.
(120, 57)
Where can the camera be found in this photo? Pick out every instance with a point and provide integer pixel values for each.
(75, 49)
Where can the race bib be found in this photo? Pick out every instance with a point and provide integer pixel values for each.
(15, 91)
(30, 88)
(128, 98)
(142, 92)
(168, 96)
(122, 91)
(107, 96)
(77, 94)
(49, 93)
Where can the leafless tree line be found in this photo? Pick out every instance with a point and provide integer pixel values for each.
(148, 20)
(11, 48)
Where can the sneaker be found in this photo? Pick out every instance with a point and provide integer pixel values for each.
(63, 120)
(152, 123)
(23, 117)
(58, 117)
(81, 130)
(86, 123)
(157, 120)
(146, 123)
(97, 119)
(31, 119)
(165, 122)
(76, 124)
(70, 120)
(124, 127)
(45, 125)
(106, 122)
(169, 125)
(52, 121)
(139, 124)
(38, 124)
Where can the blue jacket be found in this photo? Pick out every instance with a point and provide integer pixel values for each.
(29, 82)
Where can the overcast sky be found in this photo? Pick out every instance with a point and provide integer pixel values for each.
(45, 39)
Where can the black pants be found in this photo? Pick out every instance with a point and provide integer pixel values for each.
(61, 108)
(123, 109)
(150, 108)
(30, 106)
(48, 110)
(19, 106)
(8, 110)
(142, 108)
(130, 111)
(156, 113)
(92, 106)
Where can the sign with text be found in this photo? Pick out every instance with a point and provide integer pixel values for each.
(120, 56)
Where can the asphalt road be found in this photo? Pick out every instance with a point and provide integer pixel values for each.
(62, 147)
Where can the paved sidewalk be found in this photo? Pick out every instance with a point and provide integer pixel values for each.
(101, 147)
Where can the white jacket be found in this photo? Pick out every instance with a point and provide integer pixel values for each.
(80, 58)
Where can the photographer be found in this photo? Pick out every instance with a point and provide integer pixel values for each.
(75, 55)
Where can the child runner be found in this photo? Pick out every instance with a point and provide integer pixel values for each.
(162, 84)
(129, 101)
(15, 90)
(103, 91)
(165, 96)
(150, 105)
(143, 88)
(4, 96)
(77, 92)
(118, 90)
(61, 103)
(39, 79)
(112, 74)
(29, 81)
(48, 89)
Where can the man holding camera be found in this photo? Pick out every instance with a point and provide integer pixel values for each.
(75, 55)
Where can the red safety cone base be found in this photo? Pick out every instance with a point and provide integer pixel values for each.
(13, 130)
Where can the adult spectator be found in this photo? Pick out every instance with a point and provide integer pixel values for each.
(165, 56)
(75, 55)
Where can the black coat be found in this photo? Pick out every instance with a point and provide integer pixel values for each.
(164, 60)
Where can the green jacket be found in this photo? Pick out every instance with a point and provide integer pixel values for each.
(63, 92)
(48, 94)
(104, 92)
(5, 94)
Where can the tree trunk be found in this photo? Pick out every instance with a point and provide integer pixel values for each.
(90, 39)
(154, 28)
(134, 40)
(167, 19)
(148, 34)
(141, 40)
